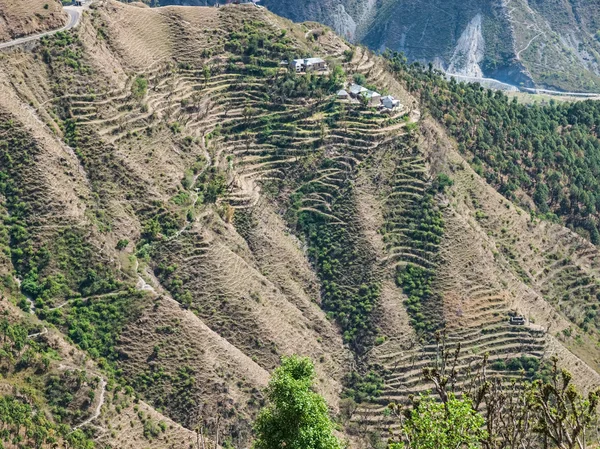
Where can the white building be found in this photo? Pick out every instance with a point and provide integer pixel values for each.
(390, 102)
(373, 98)
(308, 64)
(315, 64)
(296, 65)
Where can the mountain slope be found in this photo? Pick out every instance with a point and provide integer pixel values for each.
(186, 211)
(552, 44)
(52, 392)
(272, 297)
(19, 18)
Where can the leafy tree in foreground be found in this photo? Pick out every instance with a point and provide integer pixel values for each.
(432, 424)
(297, 417)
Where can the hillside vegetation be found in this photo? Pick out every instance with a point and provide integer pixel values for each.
(179, 212)
(545, 43)
(545, 158)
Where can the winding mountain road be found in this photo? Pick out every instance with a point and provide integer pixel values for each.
(74, 13)
(492, 83)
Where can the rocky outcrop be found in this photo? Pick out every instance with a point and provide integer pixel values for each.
(546, 44)
(469, 51)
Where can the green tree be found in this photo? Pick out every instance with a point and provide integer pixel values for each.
(206, 74)
(139, 88)
(248, 113)
(359, 78)
(297, 417)
(436, 425)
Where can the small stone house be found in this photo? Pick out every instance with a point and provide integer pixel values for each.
(356, 90)
(390, 102)
(517, 320)
(308, 65)
(373, 98)
(343, 95)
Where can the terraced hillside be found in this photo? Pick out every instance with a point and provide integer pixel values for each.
(54, 396)
(544, 43)
(184, 210)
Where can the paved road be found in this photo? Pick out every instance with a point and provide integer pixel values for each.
(74, 13)
(560, 92)
(499, 85)
(485, 82)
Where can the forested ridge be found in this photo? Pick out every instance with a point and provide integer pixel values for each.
(544, 43)
(550, 152)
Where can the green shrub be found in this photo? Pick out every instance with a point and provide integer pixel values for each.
(139, 88)
(362, 388)
(442, 182)
(359, 78)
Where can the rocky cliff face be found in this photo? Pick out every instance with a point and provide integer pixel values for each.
(549, 43)
(469, 51)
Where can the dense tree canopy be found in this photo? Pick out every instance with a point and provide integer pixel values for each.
(549, 152)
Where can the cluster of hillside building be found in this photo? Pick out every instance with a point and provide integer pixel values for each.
(372, 98)
(355, 92)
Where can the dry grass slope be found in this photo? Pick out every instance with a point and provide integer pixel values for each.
(24, 17)
(156, 105)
